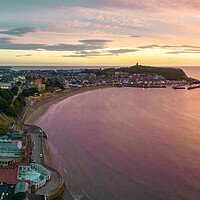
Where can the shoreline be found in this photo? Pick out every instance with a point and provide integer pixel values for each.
(42, 105)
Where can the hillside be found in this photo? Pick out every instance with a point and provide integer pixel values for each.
(3, 126)
(166, 72)
(6, 97)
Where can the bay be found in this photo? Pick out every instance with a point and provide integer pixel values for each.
(128, 143)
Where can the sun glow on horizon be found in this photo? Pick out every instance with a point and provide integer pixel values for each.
(101, 33)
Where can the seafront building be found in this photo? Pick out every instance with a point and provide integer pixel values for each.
(36, 174)
(20, 174)
(16, 135)
(9, 153)
(18, 191)
(6, 190)
(12, 149)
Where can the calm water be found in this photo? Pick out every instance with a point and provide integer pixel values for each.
(128, 143)
(193, 72)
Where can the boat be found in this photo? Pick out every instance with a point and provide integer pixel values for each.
(159, 86)
(193, 87)
(178, 87)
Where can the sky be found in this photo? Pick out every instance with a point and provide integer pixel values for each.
(99, 32)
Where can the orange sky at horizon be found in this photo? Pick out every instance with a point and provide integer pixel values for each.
(95, 33)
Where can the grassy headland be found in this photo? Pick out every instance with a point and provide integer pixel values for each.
(167, 72)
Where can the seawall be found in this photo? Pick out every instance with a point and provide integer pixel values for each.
(60, 188)
(57, 192)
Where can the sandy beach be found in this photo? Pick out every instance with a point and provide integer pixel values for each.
(42, 104)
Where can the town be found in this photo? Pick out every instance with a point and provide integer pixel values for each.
(41, 81)
(22, 167)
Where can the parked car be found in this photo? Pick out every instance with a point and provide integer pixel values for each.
(32, 160)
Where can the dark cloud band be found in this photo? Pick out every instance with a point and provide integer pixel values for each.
(20, 31)
(26, 55)
(6, 43)
(83, 54)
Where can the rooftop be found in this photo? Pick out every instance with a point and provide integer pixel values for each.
(25, 196)
(9, 150)
(6, 191)
(34, 173)
(16, 133)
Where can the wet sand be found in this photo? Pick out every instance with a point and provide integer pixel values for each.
(47, 154)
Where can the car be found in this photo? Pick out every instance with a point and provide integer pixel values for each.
(40, 155)
(32, 160)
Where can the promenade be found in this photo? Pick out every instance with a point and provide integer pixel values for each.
(55, 186)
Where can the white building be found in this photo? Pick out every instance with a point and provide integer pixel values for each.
(6, 85)
(36, 174)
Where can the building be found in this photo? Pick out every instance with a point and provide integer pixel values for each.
(17, 143)
(5, 85)
(16, 135)
(41, 87)
(6, 191)
(21, 187)
(35, 173)
(9, 154)
(27, 196)
(34, 82)
(21, 79)
(17, 192)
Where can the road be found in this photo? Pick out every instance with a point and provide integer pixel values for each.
(19, 91)
(36, 138)
(56, 180)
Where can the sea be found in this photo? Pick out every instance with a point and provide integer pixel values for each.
(128, 143)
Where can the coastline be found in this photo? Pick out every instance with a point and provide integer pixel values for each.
(41, 105)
